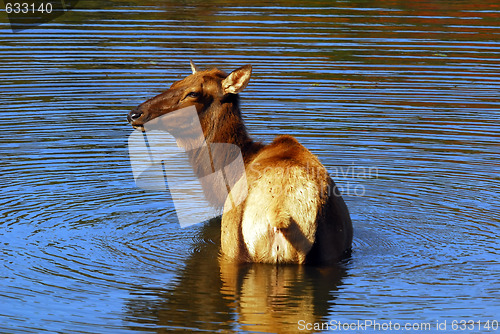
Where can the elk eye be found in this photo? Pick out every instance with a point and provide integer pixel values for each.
(193, 94)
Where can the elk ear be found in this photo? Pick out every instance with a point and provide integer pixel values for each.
(194, 69)
(237, 80)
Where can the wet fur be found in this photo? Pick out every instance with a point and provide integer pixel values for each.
(293, 212)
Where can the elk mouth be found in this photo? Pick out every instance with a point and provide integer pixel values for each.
(136, 125)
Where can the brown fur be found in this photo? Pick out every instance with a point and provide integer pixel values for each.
(293, 212)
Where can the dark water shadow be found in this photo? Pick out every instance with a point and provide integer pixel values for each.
(212, 295)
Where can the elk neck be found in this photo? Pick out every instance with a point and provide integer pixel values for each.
(225, 125)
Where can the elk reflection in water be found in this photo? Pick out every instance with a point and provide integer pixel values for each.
(217, 295)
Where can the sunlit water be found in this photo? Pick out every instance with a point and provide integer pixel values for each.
(399, 100)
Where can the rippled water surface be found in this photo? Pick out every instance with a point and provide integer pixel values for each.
(399, 99)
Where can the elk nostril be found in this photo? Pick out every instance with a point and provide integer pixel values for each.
(134, 115)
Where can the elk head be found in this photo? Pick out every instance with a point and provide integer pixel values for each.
(212, 92)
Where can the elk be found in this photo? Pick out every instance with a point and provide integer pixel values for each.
(293, 211)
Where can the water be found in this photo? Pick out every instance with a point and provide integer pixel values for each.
(399, 100)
